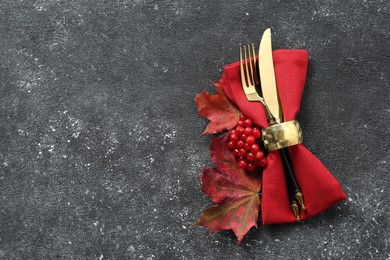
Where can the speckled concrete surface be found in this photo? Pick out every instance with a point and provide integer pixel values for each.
(100, 146)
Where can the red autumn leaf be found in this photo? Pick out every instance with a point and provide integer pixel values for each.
(236, 192)
(221, 112)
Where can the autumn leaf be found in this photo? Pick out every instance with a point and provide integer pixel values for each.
(221, 112)
(236, 192)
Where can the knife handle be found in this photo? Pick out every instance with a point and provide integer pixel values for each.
(295, 193)
(288, 171)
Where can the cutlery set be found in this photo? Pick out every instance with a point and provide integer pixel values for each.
(259, 85)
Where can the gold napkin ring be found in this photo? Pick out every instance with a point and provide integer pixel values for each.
(282, 135)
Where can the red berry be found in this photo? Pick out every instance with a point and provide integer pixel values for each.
(241, 123)
(232, 132)
(242, 164)
(251, 139)
(242, 117)
(259, 155)
(256, 132)
(234, 138)
(232, 145)
(240, 130)
(243, 137)
(250, 157)
(263, 162)
(235, 152)
(248, 130)
(247, 147)
(240, 144)
(248, 122)
(241, 152)
(250, 167)
(255, 148)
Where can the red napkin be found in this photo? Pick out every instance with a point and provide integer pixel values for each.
(320, 189)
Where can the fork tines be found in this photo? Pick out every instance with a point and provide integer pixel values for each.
(248, 74)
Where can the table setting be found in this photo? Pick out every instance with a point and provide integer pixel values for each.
(258, 86)
(144, 129)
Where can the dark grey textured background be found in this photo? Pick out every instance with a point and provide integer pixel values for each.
(99, 139)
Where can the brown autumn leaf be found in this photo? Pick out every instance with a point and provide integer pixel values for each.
(236, 192)
(221, 112)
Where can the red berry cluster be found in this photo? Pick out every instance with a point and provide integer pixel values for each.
(243, 142)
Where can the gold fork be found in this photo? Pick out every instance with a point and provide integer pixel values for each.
(249, 81)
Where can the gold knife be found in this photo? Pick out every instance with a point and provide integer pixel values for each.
(271, 96)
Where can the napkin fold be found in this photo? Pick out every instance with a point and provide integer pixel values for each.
(320, 189)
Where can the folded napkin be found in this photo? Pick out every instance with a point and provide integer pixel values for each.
(320, 189)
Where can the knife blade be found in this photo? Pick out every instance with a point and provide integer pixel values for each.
(267, 76)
